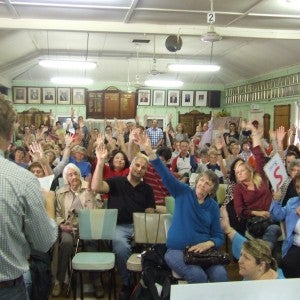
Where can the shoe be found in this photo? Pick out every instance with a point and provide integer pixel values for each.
(99, 292)
(56, 291)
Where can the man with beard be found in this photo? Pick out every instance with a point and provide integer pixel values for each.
(128, 194)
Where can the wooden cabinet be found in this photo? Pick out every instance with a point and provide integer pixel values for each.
(94, 105)
(192, 119)
(111, 103)
(34, 116)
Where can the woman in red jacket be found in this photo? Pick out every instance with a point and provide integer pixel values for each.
(252, 195)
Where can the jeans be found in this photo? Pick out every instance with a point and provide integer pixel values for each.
(122, 248)
(16, 292)
(28, 282)
(193, 273)
(272, 234)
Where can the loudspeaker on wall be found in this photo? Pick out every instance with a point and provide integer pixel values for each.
(213, 98)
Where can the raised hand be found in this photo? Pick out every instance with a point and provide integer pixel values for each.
(280, 133)
(219, 144)
(101, 152)
(68, 139)
(36, 151)
(100, 139)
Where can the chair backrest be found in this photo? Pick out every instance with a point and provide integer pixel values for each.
(168, 222)
(97, 224)
(170, 204)
(221, 193)
(149, 228)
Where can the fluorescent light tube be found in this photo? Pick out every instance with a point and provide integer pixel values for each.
(67, 64)
(193, 68)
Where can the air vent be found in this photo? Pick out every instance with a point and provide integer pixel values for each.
(140, 41)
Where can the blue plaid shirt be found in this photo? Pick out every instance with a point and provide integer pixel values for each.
(24, 222)
(155, 135)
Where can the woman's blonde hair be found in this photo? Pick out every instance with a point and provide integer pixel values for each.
(255, 177)
(261, 251)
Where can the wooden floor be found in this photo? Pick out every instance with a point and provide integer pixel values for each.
(232, 273)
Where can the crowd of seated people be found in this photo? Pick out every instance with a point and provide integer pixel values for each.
(133, 169)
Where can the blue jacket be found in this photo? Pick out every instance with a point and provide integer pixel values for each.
(192, 223)
(287, 213)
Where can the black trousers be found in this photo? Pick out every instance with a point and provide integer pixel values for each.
(290, 263)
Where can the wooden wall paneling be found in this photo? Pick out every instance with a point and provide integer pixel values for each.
(111, 105)
(34, 116)
(94, 105)
(128, 104)
(282, 117)
(192, 119)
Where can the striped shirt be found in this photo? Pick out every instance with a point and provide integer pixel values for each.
(24, 223)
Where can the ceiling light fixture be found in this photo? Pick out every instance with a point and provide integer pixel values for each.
(67, 64)
(193, 68)
(72, 80)
(163, 83)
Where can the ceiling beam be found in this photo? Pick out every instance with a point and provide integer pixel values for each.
(118, 27)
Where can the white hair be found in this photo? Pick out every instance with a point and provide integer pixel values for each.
(66, 169)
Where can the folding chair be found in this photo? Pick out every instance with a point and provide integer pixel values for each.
(95, 224)
(148, 229)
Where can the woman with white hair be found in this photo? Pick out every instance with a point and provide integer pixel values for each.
(75, 195)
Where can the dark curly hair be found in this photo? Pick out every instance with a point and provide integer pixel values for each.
(112, 156)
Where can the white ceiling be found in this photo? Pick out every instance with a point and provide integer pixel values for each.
(259, 36)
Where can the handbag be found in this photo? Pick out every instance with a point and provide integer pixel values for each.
(207, 258)
(257, 226)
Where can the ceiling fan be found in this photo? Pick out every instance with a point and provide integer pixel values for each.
(137, 83)
(153, 70)
(211, 36)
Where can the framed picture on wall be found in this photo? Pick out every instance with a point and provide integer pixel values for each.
(159, 97)
(173, 97)
(48, 95)
(187, 98)
(19, 95)
(201, 98)
(78, 96)
(144, 97)
(63, 95)
(34, 95)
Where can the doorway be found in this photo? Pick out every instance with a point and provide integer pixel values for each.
(282, 117)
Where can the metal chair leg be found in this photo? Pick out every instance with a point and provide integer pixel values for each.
(81, 285)
(74, 284)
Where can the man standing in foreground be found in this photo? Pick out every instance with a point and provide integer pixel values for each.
(24, 222)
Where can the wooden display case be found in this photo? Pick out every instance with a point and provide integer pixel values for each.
(110, 103)
(34, 116)
(192, 119)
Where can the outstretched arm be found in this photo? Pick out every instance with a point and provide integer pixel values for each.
(98, 184)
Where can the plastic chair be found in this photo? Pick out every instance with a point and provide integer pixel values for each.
(148, 229)
(95, 224)
(221, 193)
(170, 204)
